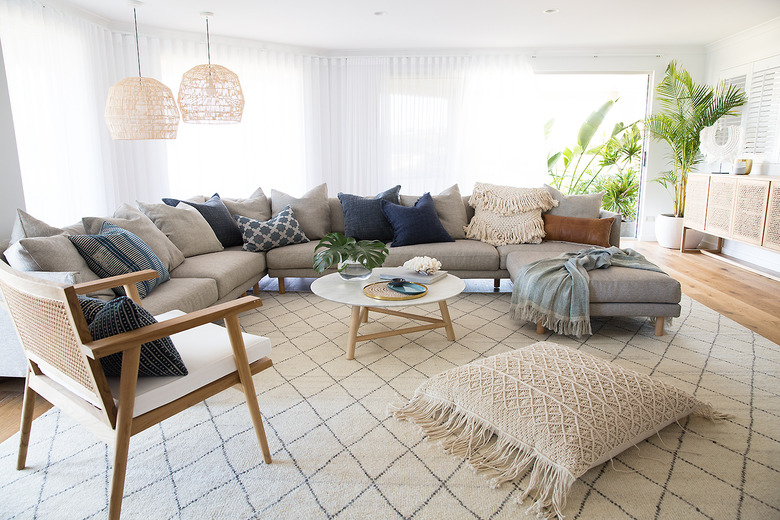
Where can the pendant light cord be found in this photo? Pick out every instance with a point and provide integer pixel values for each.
(137, 46)
(208, 40)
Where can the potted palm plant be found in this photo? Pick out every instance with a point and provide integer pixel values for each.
(354, 259)
(686, 109)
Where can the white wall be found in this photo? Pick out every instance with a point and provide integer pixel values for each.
(742, 50)
(11, 193)
(653, 199)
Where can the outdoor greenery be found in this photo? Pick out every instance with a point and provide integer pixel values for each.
(335, 248)
(686, 109)
(611, 164)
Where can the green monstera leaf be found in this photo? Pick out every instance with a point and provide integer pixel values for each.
(335, 247)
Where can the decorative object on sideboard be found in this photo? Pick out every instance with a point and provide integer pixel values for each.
(354, 259)
(719, 143)
(141, 108)
(742, 167)
(210, 93)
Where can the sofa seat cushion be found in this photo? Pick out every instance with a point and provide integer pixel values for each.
(460, 255)
(625, 285)
(613, 284)
(296, 256)
(534, 252)
(229, 268)
(186, 294)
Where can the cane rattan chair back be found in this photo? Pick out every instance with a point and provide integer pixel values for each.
(52, 331)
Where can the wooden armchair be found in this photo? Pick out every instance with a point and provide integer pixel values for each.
(64, 365)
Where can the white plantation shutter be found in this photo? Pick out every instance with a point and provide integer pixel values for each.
(735, 120)
(762, 124)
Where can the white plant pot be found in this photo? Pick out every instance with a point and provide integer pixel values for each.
(668, 232)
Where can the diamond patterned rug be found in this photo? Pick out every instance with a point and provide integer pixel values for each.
(337, 455)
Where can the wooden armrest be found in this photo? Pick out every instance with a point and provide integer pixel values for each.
(107, 346)
(115, 281)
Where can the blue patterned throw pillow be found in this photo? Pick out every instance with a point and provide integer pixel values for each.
(282, 230)
(159, 358)
(90, 307)
(118, 251)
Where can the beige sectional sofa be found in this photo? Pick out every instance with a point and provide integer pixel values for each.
(203, 280)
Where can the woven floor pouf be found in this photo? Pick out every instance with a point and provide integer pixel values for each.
(546, 407)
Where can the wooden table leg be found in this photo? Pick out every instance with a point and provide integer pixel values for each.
(364, 315)
(354, 324)
(445, 315)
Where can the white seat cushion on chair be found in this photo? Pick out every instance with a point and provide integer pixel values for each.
(206, 353)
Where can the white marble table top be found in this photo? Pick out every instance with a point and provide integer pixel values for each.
(333, 288)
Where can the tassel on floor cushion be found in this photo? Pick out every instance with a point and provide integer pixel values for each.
(547, 409)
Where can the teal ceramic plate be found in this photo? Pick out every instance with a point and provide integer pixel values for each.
(409, 288)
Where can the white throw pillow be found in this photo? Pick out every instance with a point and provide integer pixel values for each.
(184, 226)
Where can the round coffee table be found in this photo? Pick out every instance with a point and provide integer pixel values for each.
(333, 288)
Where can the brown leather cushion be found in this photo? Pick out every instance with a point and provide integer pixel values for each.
(593, 231)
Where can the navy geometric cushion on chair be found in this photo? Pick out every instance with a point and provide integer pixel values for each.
(118, 251)
(282, 230)
(159, 358)
(90, 307)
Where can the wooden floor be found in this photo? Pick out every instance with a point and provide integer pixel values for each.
(749, 299)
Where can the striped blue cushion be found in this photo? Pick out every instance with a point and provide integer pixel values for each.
(118, 251)
(90, 307)
(159, 358)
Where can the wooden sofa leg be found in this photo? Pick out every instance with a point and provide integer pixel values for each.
(256, 289)
(281, 285)
(496, 284)
(540, 328)
(659, 325)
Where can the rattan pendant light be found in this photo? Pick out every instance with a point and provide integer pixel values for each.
(210, 93)
(141, 108)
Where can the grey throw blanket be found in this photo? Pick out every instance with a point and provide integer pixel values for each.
(555, 290)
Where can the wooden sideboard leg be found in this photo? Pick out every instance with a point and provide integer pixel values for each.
(659, 325)
(496, 284)
(281, 285)
(540, 328)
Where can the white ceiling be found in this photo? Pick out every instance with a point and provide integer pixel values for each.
(445, 24)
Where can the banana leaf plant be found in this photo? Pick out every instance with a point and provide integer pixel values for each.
(581, 164)
(686, 108)
(335, 248)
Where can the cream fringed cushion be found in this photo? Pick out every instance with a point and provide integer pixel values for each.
(556, 410)
(507, 215)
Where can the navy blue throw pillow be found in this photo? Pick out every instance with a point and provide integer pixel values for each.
(416, 225)
(219, 218)
(363, 217)
(159, 358)
(90, 307)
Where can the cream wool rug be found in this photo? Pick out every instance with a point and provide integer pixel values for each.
(337, 455)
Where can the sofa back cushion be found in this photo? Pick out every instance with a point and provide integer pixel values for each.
(311, 209)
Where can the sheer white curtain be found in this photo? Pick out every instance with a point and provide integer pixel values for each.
(268, 147)
(360, 124)
(429, 121)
